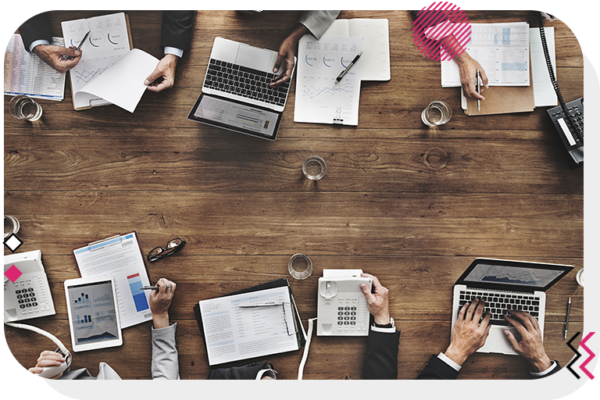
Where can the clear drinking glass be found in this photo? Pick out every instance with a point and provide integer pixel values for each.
(24, 107)
(438, 112)
(300, 266)
(314, 168)
(11, 225)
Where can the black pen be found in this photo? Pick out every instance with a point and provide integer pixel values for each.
(152, 287)
(66, 57)
(478, 91)
(566, 326)
(341, 75)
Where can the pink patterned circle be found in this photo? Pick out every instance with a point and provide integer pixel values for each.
(441, 31)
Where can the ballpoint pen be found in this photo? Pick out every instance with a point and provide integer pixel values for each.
(566, 326)
(478, 91)
(341, 75)
(152, 287)
(268, 304)
(66, 57)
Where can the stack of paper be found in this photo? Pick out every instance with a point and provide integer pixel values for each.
(26, 74)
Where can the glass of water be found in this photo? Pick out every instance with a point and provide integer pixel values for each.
(11, 225)
(438, 112)
(24, 107)
(314, 168)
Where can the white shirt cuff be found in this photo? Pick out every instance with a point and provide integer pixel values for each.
(174, 50)
(544, 373)
(383, 330)
(37, 43)
(448, 361)
(268, 372)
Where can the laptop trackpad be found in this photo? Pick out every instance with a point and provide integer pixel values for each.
(255, 58)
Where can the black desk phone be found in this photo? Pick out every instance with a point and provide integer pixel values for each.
(567, 118)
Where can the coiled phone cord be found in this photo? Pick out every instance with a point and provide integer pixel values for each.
(577, 128)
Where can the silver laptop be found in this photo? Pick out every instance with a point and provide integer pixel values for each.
(236, 94)
(506, 285)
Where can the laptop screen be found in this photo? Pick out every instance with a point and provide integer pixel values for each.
(504, 274)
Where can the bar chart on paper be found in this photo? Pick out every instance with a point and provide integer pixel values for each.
(139, 296)
(318, 98)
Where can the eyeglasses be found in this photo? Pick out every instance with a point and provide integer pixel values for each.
(172, 247)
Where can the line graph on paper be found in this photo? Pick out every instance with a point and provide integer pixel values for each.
(85, 76)
(312, 91)
(88, 69)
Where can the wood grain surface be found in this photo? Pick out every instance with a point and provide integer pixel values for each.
(411, 205)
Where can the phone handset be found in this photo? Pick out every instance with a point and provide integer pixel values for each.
(48, 372)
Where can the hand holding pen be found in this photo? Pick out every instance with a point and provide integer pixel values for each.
(70, 58)
(160, 301)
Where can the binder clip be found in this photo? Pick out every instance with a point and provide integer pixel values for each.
(337, 120)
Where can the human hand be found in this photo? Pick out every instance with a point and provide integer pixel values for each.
(52, 55)
(160, 301)
(48, 359)
(531, 346)
(467, 68)
(163, 76)
(377, 302)
(468, 334)
(287, 52)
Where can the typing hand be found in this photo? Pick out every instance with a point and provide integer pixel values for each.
(468, 334)
(531, 346)
(377, 302)
(163, 77)
(287, 53)
(53, 56)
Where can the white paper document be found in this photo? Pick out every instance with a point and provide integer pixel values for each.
(122, 258)
(543, 90)
(318, 98)
(123, 83)
(108, 71)
(26, 74)
(376, 47)
(234, 333)
(501, 49)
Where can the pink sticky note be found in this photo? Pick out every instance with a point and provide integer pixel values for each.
(13, 273)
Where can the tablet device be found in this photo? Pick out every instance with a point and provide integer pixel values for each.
(93, 313)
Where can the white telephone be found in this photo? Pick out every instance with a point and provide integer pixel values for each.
(26, 290)
(27, 295)
(341, 306)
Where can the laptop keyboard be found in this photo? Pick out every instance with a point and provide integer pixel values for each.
(498, 304)
(246, 82)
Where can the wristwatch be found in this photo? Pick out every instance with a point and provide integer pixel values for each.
(388, 325)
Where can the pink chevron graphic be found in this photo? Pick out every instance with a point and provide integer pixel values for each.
(592, 355)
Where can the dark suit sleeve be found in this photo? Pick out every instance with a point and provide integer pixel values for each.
(381, 360)
(437, 369)
(555, 370)
(177, 29)
(35, 28)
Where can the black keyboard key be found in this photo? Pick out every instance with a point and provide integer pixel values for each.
(500, 321)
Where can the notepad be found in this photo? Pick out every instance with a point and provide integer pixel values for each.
(233, 332)
(376, 48)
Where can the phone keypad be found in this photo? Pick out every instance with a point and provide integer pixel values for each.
(347, 315)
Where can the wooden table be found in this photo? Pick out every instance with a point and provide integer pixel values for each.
(410, 205)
